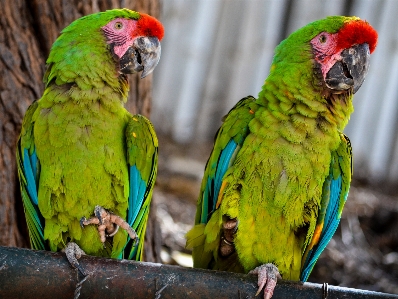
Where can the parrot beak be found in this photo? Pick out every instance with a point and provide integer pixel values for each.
(143, 55)
(351, 70)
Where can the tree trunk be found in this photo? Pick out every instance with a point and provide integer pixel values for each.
(28, 28)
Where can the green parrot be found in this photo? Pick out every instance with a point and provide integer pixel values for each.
(277, 179)
(80, 151)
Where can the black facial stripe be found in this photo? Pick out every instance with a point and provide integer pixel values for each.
(114, 38)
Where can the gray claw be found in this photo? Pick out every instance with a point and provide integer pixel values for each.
(97, 212)
(82, 221)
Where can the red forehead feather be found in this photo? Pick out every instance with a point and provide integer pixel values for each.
(149, 26)
(357, 32)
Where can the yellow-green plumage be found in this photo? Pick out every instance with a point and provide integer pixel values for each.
(83, 164)
(84, 141)
(276, 185)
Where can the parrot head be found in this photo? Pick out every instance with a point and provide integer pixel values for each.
(103, 47)
(338, 48)
(343, 56)
(135, 43)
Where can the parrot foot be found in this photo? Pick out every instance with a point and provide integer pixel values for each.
(230, 227)
(108, 224)
(267, 278)
(73, 253)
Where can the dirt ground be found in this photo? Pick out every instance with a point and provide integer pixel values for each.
(363, 253)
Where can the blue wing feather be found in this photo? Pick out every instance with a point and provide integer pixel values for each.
(214, 183)
(138, 188)
(228, 140)
(30, 172)
(34, 162)
(223, 166)
(331, 223)
(142, 152)
(29, 176)
(134, 181)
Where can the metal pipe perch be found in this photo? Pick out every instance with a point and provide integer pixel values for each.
(27, 273)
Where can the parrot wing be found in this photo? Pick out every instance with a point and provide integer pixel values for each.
(334, 195)
(228, 141)
(142, 157)
(29, 174)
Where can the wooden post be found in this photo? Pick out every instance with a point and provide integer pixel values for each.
(41, 274)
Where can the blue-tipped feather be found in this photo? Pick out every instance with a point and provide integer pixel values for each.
(33, 162)
(223, 165)
(30, 199)
(137, 193)
(133, 181)
(141, 195)
(331, 223)
(30, 175)
(135, 210)
(214, 183)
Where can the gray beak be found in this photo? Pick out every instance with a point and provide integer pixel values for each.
(143, 56)
(351, 71)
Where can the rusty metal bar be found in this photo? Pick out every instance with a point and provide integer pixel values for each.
(27, 273)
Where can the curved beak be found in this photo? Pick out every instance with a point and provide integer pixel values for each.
(143, 55)
(351, 70)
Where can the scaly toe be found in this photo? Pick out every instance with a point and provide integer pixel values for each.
(267, 278)
(73, 252)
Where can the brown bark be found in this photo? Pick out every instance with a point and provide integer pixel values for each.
(27, 30)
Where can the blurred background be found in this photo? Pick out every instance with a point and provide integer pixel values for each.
(217, 51)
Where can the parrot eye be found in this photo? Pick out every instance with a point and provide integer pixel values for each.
(322, 39)
(118, 25)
